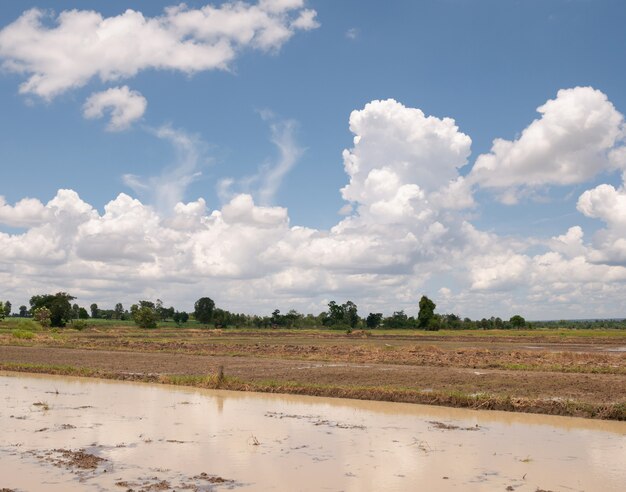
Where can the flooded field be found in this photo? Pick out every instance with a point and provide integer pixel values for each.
(83, 434)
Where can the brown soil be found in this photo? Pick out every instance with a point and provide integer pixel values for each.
(77, 459)
(566, 393)
(530, 353)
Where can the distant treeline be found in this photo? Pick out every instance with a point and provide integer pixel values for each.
(59, 310)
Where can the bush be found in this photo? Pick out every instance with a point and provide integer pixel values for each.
(79, 324)
(42, 316)
(341, 327)
(23, 334)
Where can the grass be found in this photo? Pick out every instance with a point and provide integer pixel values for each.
(22, 334)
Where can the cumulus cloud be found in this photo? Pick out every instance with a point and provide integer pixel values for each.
(25, 213)
(67, 51)
(395, 145)
(608, 204)
(125, 106)
(403, 234)
(579, 134)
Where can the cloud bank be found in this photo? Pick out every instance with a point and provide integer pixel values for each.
(406, 231)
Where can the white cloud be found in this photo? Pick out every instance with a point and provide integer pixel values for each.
(267, 181)
(579, 135)
(403, 235)
(125, 106)
(25, 213)
(271, 176)
(608, 204)
(79, 45)
(352, 33)
(401, 145)
(168, 188)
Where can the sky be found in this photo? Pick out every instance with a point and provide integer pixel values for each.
(281, 154)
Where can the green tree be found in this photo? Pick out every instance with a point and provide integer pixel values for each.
(203, 310)
(373, 320)
(58, 304)
(292, 318)
(341, 315)
(180, 318)
(426, 313)
(119, 311)
(351, 316)
(23, 311)
(335, 314)
(7, 308)
(145, 316)
(517, 321)
(399, 319)
(94, 310)
(82, 313)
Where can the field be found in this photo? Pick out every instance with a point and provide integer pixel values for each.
(563, 372)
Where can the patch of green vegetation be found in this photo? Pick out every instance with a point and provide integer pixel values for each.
(23, 334)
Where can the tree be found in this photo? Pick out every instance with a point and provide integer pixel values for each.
(277, 319)
(203, 310)
(517, 321)
(82, 313)
(335, 314)
(373, 320)
(119, 311)
(7, 308)
(58, 304)
(94, 310)
(181, 317)
(23, 311)
(426, 313)
(145, 316)
(398, 319)
(351, 315)
(338, 315)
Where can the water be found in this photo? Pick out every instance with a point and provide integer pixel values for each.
(155, 434)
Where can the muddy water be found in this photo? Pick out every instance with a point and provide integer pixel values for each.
(151, 436)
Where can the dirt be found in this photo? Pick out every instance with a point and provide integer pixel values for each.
(537, 373)
(443, 426)
(77, 459)
(534, 353)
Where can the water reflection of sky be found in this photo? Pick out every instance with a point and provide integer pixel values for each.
(304, 443)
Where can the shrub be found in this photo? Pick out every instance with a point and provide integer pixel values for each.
(42, 316)
(23, 334)
(79, 324)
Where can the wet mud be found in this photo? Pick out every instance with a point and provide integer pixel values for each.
(104, 435)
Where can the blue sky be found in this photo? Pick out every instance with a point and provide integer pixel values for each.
(487, 64)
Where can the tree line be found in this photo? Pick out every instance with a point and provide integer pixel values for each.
(57, 310)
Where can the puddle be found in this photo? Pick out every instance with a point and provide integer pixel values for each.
(96, 435)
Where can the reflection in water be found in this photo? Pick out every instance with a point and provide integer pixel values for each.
(150, 435)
